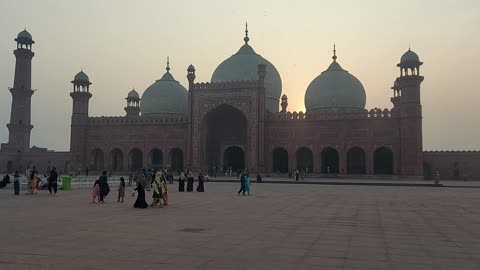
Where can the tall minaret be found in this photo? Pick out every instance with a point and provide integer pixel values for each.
(78, 136)
(410, 113)
(20, 126)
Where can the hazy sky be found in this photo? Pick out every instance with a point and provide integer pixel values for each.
(121, 44)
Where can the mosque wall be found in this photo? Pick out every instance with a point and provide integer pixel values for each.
(338, 132)
(125, 143)
(452, 165)
(40, 158)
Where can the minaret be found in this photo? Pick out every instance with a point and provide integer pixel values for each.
(79, 126)
(410, 113)
(133, 103)
(20, 125)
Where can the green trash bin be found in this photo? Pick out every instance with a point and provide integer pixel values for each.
(66, 183)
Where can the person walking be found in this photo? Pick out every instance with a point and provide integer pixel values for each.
(181, 182)
(140, 201)
(190, 181)
(96, 191)
(157, 189)
(242, 184)
(297, 173)
(16, 183)
(104, 188)
(437, 178)
(247, 184)
(201, 181)
(52, 181)
(121, 189)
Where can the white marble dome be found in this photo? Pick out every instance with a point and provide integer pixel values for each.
(244, 66)
(164, 97)
(335, 90)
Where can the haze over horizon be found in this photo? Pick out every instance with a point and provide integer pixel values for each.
(124, 44)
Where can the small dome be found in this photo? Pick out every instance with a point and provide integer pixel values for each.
(133, 95)
(335, 90)
(191, 67)
(81, 77)
(244, 66)
(165, 96)
(25, 35)
(409, 56)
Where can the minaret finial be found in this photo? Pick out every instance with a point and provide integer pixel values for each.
(409, 46)
(168, 64)
(246, 39)
(334, 57)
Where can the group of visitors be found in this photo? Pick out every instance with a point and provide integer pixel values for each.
(244, 183)
(187, 175)
(101, 189)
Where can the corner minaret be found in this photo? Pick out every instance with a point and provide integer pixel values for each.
(133, 103)
(79, 125)
(20, 125)
(410, 113)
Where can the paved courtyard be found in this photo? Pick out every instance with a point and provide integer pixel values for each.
(279, 227)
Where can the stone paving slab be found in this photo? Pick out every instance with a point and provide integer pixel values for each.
(278, 227)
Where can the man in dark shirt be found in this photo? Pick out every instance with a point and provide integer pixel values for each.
(52, 181)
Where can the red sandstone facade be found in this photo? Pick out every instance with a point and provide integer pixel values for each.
(227, 125)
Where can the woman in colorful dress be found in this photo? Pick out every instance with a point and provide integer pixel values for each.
(157, 189)
(164, 191)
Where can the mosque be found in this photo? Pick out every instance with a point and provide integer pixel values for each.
(238, 120)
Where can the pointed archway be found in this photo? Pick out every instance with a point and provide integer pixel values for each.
(383, 161)
(330, 161)
(304, 160)
(176, 156)
(155, 158)
(116, 160)
(356, 161)
(135, 159)
(97, 160)
(280, 160)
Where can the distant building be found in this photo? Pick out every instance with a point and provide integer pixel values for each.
(234, 122)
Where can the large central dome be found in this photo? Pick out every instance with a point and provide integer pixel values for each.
(165, 97)
(244, 66)
(335, 90)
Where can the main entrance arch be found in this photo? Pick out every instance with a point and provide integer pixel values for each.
(224, 138)
(234, 158)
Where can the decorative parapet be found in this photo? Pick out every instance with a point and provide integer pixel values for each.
(452, 151)
(123, 120)
(230, 85)
(366, 114)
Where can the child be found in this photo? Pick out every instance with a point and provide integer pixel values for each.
(96, 191)
(121, 189)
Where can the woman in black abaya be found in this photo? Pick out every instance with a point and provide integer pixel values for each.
(140, 202)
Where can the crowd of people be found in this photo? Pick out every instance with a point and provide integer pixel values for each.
(148, 180)
(144, 180)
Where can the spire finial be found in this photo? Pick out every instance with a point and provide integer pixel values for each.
(168, 64)
(334, 57)
(246, 39)
(409, 46)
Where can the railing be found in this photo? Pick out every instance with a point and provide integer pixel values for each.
(366, 114)
(225, 85)
(122, 120)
